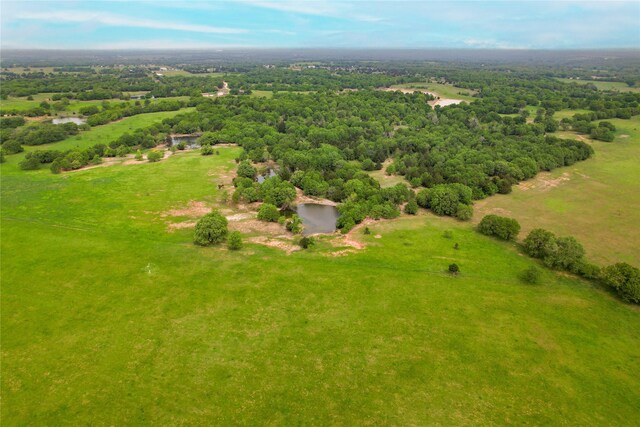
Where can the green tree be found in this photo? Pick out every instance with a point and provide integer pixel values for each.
(625, 279)
(454, 269)
(234, 241)
(268, 212)
(155, 155)
(498, 226)
(539, 243)
(211, 229)
(411, 207)
(246, 170)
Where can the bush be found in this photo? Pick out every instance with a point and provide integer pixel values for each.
(139, 155)
(29, 163)
(294, 224)
(465, 212)
(246, 170)
(411, 207)
(625, 279)
(206, 150)
(531, 276)
(566, 254)
(234, 241)
(498, 226)
(454, 269)
(268, 212)
(154, 155)
(306, 242)
(538, 243)
(211, 229)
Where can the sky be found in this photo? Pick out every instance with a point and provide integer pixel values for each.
(167, 24)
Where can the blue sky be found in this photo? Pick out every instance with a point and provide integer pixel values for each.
(537, 24)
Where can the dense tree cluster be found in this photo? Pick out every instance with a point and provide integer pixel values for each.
(499, 226)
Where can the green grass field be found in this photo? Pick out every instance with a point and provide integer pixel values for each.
(101, 134)
(109, 319)
(601, 85)
(442, 90)
(596, 201)
(23, 104)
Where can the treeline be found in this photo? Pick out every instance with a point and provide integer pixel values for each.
(284, 79)
(35, 134)
(566, 254)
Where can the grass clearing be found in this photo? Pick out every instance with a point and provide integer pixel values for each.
(596, 201)
(103, 134)
(446, 91)
(107, 318)
(602, 85)
(23, 104)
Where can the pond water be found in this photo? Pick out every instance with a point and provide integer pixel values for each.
(270, 173)
(317, 218)
(76, 120)
(190, 140)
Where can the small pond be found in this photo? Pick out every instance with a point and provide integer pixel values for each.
(317, 218)
(270, 173)
(190, 140)
(76, 120)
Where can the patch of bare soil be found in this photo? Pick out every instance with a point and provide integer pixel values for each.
(194, 209)
(349, 239)
(302, 198)
(343, 252)
(623, 136)
(255, 226)
(239, 217)
(286, 246)
(179, 225)
(544, 181)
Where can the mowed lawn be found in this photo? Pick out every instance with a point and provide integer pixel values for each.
(109, 319)
(597, 201)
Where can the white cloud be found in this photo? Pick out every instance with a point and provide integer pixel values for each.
(115, 20)
(340, 9)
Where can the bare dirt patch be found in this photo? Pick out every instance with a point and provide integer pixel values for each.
(180, 225)
(544, 181)
(286, 246)
(194, 209)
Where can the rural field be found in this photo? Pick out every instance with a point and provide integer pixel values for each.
(603, 85)
(363, 217)
(110, 317)
(597, 201)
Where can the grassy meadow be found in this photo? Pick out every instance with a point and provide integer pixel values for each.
(103, 134)
(602, 85)
(442, 90)
(596, 201)
(109, 318)
(23, 104)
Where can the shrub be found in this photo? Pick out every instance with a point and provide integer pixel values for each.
(246, 170)
(139, 155)
(411, 207)
(268, 212)
(447, 234)
(154, 155)
(538, 243)
(29, 163)
(306, 241)
(367, 230)
(234, 241)
(498, 226)
(211, 229)
(294, 224)
(566, 254)
(206, 150)
(454, 269)
(465, 212)
(625, 279)
(531, 276)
